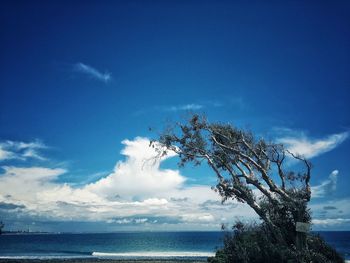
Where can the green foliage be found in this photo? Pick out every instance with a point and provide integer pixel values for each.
(257, 242)
(284, 216)
(320, 251)
(254, 243)
(249, 244)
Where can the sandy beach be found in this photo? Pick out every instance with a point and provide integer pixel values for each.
(99, 261)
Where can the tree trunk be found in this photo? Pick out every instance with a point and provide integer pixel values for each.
(300, 237)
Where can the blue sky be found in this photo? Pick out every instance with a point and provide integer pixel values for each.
(81, 84)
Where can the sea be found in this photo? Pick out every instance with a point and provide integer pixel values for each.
(130, 245)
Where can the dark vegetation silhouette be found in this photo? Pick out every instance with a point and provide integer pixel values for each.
(255, 172)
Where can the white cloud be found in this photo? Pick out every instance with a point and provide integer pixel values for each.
(137, 192)
(121, 221)
(331, 214)
(5, 155)
(341, 205)
(203, 217)
(172, 108)
(141, 220)
(184, 107)
(124, 221)
(155, 201)
(139, 175)
(21, 150)
(92, 72)
(31, 153)
(330, 221)
(310, 148)
(327, 187)
(24, 183)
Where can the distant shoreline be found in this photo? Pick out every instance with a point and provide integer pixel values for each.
(96, 260)
(6, 233)
(115, 232)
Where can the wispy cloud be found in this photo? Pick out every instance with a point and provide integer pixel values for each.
(184, 107)
(92, 72)
(330, 221)
(197, 105)
(5, 154)
(21, 150)
(309, 148)
(327, 187)
(173, 108)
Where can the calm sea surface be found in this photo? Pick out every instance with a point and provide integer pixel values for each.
(197, 245)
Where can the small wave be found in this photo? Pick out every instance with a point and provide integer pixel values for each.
(155, 254)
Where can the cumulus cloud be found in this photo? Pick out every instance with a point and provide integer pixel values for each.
(92, 72)
(327, 187)
(310, 148)
(139, 175)
(21, 150)
(19, 183)
(137, 192)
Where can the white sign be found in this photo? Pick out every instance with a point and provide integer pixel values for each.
(302, 227)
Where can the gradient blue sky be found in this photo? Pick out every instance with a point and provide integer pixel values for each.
(79, 78)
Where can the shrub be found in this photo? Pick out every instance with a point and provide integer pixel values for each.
(254, 243)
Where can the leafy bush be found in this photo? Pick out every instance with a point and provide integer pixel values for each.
(254, 243)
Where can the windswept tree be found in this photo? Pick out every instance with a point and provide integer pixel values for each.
(255, 172)
(250, 170)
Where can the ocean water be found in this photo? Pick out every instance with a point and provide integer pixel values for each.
(340, 240)
(196, 245)
(193, 245)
